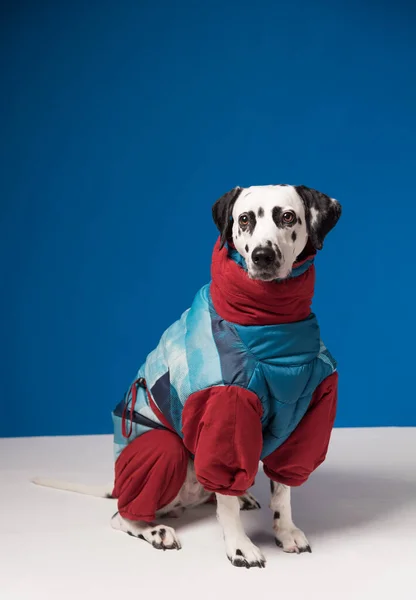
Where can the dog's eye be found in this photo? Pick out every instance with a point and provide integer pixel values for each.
(288, 217)
(243, 220)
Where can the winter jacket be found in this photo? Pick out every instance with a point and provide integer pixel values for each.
(244, 347)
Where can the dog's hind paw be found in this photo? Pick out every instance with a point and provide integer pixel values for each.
(160, 537)
(248, 502)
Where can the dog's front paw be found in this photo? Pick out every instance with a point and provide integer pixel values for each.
(243, 553)
(292, 540)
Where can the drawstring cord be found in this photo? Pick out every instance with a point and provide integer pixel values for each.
(141, 382)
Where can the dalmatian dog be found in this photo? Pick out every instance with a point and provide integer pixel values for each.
(271, 228)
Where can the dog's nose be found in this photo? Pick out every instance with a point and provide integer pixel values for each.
(263, 257)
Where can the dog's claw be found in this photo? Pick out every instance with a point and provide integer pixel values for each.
(242, 562)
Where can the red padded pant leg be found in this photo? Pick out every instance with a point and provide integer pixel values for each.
(149, 474)
(222, 428)
(306, 448)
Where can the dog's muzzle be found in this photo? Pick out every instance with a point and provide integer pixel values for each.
(265, 264)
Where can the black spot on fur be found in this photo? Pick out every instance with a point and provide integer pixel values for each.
(251, 222)
(276, 515)
(278, 252)
(140, 536)
(239, 231)
(109, 496)
(294, 236)
(162, 533)
(269, 243)
(278, 543)
(239, 553)
(300, 221)
(271, 486)
(246, 248)
(277, 216)
(246, 505)
(154, 532)
(260, 212)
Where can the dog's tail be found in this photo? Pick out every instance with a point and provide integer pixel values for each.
(99, 491)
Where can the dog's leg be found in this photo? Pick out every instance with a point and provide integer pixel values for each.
(159, 536)
(287, 535)
(240, 549)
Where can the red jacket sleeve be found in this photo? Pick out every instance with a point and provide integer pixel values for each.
(306, 448)
(222, 429)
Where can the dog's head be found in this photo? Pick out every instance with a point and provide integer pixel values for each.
(270, 225)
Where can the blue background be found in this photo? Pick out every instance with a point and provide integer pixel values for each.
(122, 122)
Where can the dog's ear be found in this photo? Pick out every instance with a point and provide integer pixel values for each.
(321, 213)
(222, 213)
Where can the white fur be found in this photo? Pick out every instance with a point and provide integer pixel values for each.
(287, 535)
(267, 197)
(314, 215)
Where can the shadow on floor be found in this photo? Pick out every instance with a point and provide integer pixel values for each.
(333, 501)
(330, 501)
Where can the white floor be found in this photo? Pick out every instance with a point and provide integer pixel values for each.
(358, 510)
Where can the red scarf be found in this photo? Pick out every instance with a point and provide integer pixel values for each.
(245, 301)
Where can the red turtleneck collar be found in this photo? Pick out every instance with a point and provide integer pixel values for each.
(245, 301)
